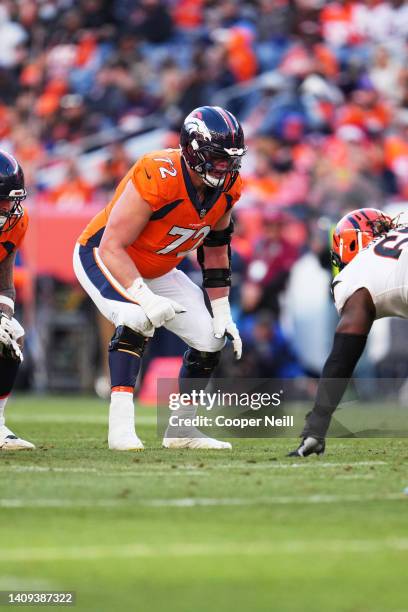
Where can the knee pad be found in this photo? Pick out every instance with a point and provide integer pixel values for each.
(200, 361)
(126, 340)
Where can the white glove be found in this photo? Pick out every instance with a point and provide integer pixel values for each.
(223, 325)
(158, 309)
(10, 331)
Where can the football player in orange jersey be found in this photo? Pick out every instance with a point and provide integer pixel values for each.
(13, 226)
(171, 202)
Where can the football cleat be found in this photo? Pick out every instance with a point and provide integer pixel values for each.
(309, 446)
(125, 442)
(196, 443)
(10, 442)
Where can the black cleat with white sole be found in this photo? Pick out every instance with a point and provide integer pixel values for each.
(309, 446)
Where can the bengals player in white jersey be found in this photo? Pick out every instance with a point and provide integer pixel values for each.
(371, 251)
(170, 203)
(13, 226)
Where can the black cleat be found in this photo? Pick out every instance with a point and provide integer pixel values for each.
(309, 446)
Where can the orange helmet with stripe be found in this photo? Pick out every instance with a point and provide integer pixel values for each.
(355, 231)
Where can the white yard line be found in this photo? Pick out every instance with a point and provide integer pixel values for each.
(276, 465)
(59, 503)
(354, 476)
(188, 502)
(191, 502)
(45, 469)
(11, 582)
(130, 472)
(140, 472)
(185, 469)
(74, 418)
(241, 549)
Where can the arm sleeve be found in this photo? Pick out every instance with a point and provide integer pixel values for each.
(337, 371)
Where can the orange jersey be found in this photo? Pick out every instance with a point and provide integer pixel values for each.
(12, 239)
(179, 222)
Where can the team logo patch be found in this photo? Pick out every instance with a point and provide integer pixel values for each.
(194, 124)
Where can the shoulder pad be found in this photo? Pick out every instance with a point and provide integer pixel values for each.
(157, 177)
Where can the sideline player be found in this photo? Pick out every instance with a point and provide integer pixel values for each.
(170, 203)
(371, 250)
(13, 226)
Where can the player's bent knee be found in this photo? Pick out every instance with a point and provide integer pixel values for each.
(129, 341)
(200, 361)
(132, 316)
(204, 339)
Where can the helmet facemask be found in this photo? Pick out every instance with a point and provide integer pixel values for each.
(218, 170)
(351, 242)
(9, 218)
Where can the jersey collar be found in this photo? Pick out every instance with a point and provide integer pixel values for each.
(212, 195)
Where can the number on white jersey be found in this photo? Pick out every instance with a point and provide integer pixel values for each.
(390, 246)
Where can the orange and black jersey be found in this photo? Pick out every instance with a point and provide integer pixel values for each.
(12, 239)
(179, 222)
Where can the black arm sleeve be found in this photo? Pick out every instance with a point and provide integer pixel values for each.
(219, 237)
(337, 371)
(216, 277)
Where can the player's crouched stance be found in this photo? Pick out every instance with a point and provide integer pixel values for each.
(170, 203)
(13, 226)
(371, 251)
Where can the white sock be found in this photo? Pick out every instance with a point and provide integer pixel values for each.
(121, 413)
(3, 402)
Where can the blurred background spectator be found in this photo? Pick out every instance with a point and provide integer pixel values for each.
(321, 87)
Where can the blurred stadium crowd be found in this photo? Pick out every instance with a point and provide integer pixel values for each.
(320, 87)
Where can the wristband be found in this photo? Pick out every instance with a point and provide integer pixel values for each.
(141, 293)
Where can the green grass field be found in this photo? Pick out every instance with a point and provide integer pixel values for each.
(195, 531)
